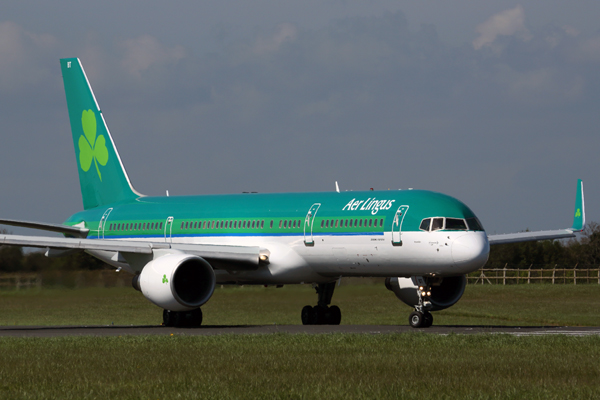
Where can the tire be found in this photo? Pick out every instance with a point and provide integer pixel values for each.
(335, 315)
(416, 319)
(194, 318)
(168, 318)
(428, 320)
(179, 319)
(322, 315)
(308, 315)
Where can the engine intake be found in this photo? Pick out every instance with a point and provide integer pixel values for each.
(177, 282)
(443, 294)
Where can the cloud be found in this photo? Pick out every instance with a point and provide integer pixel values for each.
(506, 23)
(23, 56)
(285, 32)
(145, 51)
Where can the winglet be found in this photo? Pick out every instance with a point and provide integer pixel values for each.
(579, 216)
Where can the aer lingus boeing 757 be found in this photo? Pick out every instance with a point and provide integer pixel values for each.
(180, 247)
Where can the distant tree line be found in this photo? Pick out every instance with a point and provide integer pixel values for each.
(584, 250)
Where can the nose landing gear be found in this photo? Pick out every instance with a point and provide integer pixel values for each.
(322, 313)
(421, 317)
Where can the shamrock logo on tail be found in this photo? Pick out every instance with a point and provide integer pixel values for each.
(90, 147)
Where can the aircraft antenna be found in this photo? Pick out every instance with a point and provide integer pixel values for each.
(337, 188)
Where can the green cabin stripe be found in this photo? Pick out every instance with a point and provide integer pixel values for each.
(266, 208)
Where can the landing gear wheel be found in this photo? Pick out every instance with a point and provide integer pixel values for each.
(178, 319)
(428, 320)
(309, 315)
(194, 318)
(335, 315)
(168, 318)
(416, 319)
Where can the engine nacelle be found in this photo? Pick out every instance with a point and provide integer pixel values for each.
(177, 282)
(443, 294)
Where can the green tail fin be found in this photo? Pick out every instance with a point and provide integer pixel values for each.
(101, 174)
(579, 216)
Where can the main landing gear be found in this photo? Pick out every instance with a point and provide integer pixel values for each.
(322, 313)
(421, 317)
(182, 319)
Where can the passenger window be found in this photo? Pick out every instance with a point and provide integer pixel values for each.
(322, 223)
(350, 223)
(455, 224)
(262, 224)
(381, 222)
(360, 223)
(271, 225)
(280, 223)
(370, 222)
(299, 223)
(437, 223)
(425, 224)
(160, 226)
(336, 223)
(284, 224)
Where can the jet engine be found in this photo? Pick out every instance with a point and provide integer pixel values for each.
(445, 292)
(177, 282)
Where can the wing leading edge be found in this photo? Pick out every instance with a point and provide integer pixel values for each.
(231, 255)
(578, 226)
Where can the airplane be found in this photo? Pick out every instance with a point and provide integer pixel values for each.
(179, 247)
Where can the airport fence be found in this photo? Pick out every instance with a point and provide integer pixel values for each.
(64, 279)
(554, 275)
(509, 275)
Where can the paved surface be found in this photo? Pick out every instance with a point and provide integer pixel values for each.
(55, 331)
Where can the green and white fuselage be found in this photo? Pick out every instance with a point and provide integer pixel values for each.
(311, 237)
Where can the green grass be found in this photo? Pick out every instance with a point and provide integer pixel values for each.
(408, 366)
(537, 304)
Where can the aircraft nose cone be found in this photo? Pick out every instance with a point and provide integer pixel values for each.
(470, 251)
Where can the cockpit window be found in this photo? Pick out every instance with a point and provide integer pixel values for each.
(437, 223)
(455, 224)
(425, 224)
(474, 224)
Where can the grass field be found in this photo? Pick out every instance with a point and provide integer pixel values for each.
(407, 366)
(360, 304)
(283, 366)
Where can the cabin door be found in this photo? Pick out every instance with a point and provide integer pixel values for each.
(168, 229)
(308, 224)
(397, 225)
(102, 224)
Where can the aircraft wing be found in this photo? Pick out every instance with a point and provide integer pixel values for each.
(530, 236)
(578, 226)
(67, 230)
(241, 255)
